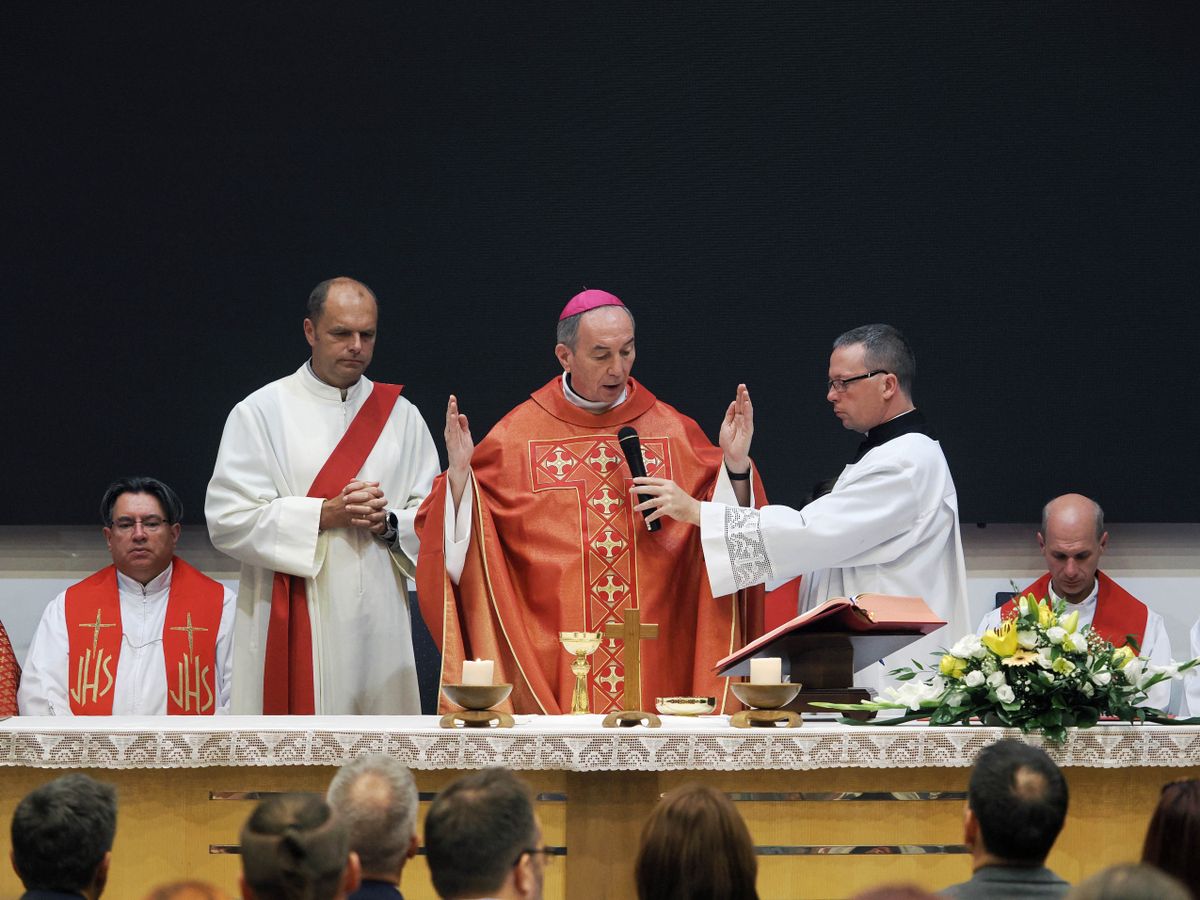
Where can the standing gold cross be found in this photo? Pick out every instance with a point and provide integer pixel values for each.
(631, 633)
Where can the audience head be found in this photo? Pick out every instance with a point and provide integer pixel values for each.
(871, 374)
(62, 836)
(340, 326)
(376, 799)
(596, 346)
(294, 848)
(1173, 837)
(141, 518)
(187, 890)
(1130, 882)
(1016, 804)
(482, 839)
(695, 846)
(1072, 540)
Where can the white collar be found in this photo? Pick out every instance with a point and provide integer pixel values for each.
(1089, 600)
(592, 406)
(160, 582)
(327, 391)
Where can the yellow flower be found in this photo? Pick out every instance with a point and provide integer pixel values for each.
(1045, 614)
(1070, 623)
(1122, 656)
(1003, 640)
(1021, 658)
(1063, 666)
(952, 666)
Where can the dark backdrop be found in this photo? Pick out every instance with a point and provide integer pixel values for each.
(1013, 185)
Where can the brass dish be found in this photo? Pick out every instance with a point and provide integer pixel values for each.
(765, 696)
(477, 696)
(685, 706)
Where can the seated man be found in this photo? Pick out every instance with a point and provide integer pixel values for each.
(376, 798)
(482, 839)
(1072, 540)
(62, 837)
(294, 846)
(1016, 805)
(148, 635)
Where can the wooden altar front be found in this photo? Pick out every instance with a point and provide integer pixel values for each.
(832, 809)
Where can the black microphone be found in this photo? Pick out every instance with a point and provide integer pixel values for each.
(632, 448)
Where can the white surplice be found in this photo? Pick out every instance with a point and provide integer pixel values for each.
(1191, 679)
(1156, 643)
(889, 526)
(140, 688)
(275, 442)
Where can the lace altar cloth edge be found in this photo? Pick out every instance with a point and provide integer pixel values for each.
(564, 743)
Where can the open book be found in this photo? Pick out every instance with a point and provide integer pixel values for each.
(897, 621)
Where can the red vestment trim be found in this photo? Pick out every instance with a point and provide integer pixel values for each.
(288, 666)
(1119, 615)
(10, 676)
(93, 613)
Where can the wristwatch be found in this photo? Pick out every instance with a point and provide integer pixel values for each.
(393, 528)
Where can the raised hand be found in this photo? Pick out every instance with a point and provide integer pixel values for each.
(737, 429)
(459, 447)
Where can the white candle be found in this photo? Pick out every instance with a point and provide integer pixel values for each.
(767, 670)
(477, 672)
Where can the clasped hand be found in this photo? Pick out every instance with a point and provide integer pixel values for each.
(361, 504)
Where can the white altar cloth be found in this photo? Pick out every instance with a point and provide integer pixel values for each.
(563, 743)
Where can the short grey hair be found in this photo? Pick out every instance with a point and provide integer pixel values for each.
(1098, 512)
(884, 347)
(568, 328)
(381, 824)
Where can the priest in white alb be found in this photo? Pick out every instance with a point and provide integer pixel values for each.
(147, 636)
(888, 526)
(315, 490)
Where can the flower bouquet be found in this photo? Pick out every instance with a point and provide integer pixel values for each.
(1038, 671)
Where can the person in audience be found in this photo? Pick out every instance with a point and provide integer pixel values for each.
(187, 890)
(376, 798)
(1173, 836)
(1130, 881)
(62, 837)
(695, 846)
(1016, 805)
(895, 892)
(148, 635)
(293, 846)
(1072, 540)
(483, 839)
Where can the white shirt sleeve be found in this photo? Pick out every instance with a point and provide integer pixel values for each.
(724, 491)
(43, 690)
(225, 652)
(456, 529)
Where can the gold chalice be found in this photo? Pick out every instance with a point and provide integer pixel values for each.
(583, 644)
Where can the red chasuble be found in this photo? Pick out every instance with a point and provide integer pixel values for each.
(10, 676)
(93, 610)
(555, 546)
(1118, 613)
(288, 665)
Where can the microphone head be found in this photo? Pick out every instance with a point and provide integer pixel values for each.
(627, 433)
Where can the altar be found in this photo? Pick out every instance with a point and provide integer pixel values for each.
(831, 808)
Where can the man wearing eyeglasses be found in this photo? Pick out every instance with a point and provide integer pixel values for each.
(483, 839)
(148, 635)
(888, 526)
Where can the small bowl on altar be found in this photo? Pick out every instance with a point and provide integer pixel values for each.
(477, 696)
(765, 696)
(685, 706)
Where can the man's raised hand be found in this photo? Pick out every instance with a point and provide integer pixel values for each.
(736, 431)
(459, 447)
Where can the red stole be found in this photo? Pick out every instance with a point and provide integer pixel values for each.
(288, 668)
(93, 611)
(555, 546)
(1118, 613)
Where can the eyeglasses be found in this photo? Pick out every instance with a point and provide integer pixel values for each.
(150, 524)
(839, 385)
(547, 852)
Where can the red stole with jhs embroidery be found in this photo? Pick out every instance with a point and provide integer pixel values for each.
(93, 610)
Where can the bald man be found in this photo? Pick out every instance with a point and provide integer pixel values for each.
(315, 492)
(1072, 540)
